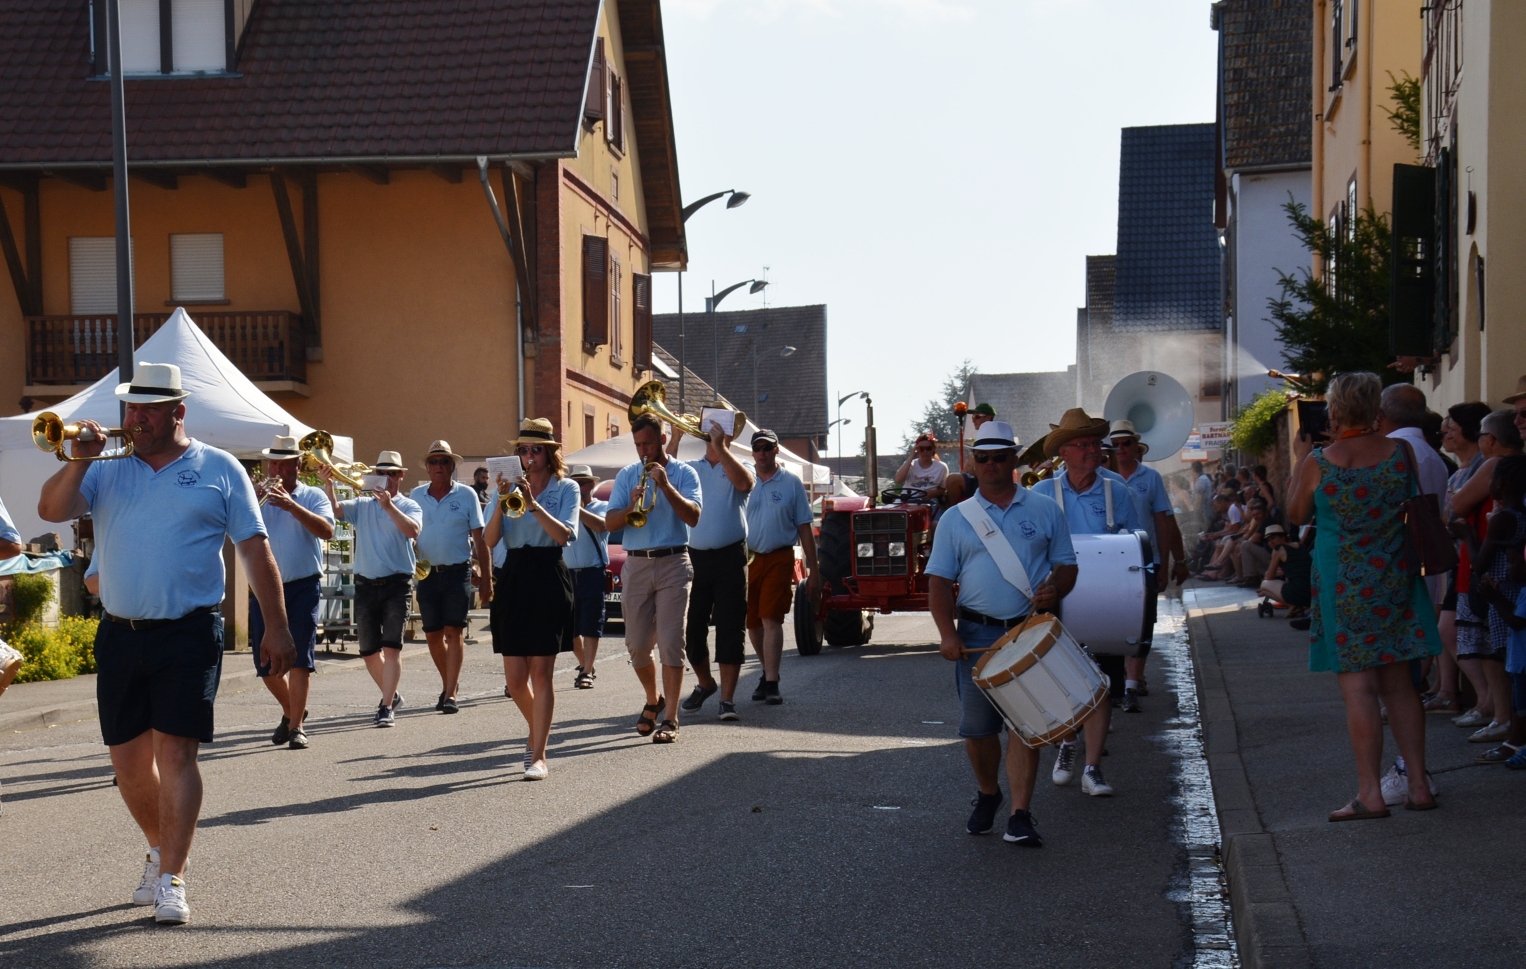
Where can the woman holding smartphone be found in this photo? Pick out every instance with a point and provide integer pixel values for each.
(531, 613)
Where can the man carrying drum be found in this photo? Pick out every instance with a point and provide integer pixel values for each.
(989, 604)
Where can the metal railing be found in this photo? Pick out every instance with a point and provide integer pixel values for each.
(264, 344)
(1441, 70)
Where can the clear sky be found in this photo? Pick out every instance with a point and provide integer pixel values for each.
(935, 171)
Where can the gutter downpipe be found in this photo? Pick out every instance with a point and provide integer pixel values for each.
(519, 319)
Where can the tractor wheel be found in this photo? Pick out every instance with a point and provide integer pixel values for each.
(808, 631)
(834, 554)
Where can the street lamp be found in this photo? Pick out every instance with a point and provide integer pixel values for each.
(754, 287)
(840, 422)
(737, 198)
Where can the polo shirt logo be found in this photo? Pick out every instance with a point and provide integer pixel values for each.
(187, 479)
(776, 496)
(1028, 529)
(454, 506)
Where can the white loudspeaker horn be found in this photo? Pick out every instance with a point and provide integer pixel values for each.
(1158, 407)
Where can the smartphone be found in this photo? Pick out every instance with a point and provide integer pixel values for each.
(1314, 420)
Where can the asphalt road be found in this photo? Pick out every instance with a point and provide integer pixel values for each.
(828, 831)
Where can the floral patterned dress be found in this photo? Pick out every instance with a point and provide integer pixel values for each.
(1369, 608)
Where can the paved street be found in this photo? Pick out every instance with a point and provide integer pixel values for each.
(827, 831)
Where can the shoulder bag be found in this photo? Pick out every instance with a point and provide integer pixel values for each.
(1432, 549)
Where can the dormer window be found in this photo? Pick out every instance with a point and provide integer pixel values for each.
(180, 37)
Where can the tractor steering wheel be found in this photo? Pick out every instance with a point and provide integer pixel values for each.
(909, 496)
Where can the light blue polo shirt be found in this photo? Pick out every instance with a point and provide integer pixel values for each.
(663, 527)
(1149, 491)
(724, 521)
(8, 531)
(448, 523)
(380, 549)
(159, 534)
(298, 552)
(590, 548)
(775, 511)
(561, 500)
(1038, 533)
(1087, 512)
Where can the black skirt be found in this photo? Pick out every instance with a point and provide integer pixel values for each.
(531, 612)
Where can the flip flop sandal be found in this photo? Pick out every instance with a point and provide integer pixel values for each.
(1497, 755)
(647, 722)
(666, 734)
(1357, 811)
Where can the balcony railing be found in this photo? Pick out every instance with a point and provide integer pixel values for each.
(266, 345)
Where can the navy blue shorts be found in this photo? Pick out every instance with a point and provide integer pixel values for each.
(588, 601)
(302, 597)
(161, 679)
(445, 596)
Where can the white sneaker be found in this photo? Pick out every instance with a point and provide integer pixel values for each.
(1064, 765)
(1093, 784)
(170, 907)
(144, 894)
(1396, 785)
(536, 772)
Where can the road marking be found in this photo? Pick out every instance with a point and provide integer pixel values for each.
(887, 807)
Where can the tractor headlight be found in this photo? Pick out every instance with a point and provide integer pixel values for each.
(866, 550)
(897, 550)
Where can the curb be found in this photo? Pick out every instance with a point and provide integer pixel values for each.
(1267, 931)
(230, 683)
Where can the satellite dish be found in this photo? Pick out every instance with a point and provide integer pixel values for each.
(1158, 407)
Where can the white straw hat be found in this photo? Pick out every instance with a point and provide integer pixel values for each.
(153, 383)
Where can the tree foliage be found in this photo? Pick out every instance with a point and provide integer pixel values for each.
(1254, 429)
(1335, 321)
(1405, 116)
(938, 414)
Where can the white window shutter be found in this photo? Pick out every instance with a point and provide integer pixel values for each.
(140, 36)
(92, 275)
(199, 42)
(196, 266)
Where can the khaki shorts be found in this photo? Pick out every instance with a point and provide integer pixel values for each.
(770, 586)
(654, 602)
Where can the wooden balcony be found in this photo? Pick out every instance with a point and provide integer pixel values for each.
(66, 352)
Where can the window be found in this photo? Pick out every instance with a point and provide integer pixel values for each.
(614, 426)
(1351, 210)
(588, 440)
(1343, 19)
(140, 38)
(595, 292)
(593, 102)
(614, 185)
(196, 267)
(1213, 371)
(614, 118)
(195, 41)
(92, 275)
(615, 343)
(641, 321)
(198, 41)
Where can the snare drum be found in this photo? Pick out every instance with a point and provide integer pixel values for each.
(1041, 681)
(1108, 610)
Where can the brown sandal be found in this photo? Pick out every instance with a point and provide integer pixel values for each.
(647, 722)
(666, 734)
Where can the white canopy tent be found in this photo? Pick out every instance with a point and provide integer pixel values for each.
(225, 410)
(608, 456)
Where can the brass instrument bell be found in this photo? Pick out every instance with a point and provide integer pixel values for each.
(638, 516)
(49, 433)
(318, 452)
(421, 569)
(513, 503)
(652, 398)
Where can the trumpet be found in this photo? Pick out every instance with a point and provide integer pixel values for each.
(652, 398)
(49, 433)
(421, 569)
(637, 517)
(318, 452)
(513, 503)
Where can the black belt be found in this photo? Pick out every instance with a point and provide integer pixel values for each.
(453, 567)
(657, 553)
(141, 625)
(771, 551)
(384, 580)
(970, 615)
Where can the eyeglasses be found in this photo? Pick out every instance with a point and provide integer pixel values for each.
(536, 449)
(981, 457)
(925, 450)
(763, 446)
(1085, 444)
(438, 462)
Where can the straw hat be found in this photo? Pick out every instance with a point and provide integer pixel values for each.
(1076, 423)
(389, 461)
(1126, 429)
(994, 436)
(535, 430)
(153, 383)
(283, 448)
(582, 472)
(442, 447)
(1520, 391)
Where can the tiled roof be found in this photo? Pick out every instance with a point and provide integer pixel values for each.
(1101, 276)
(319, 79)
(1168, 249)
(1030, 402)
(794, 387)
(1266, 53)
(694, 386)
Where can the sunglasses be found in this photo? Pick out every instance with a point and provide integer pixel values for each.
(438, 462)
(764, 446)
(536, 449)
(981, 457)
(925, 450)
(393, 474)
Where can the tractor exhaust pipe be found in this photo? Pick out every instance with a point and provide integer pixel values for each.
(871, 450)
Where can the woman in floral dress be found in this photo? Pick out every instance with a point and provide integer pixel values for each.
(1372, 613)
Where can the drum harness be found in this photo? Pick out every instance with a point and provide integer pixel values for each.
(1107, 498)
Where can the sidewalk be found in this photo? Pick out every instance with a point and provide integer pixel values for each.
(1415, 889)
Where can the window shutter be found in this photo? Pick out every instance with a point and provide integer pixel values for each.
(1444, 251)
(593, 104)
(92, 275)
(200, 41)
(595, 290)
(140, 37)
(616, 124)
(641, 320)
(1411, 289)
(196, 266)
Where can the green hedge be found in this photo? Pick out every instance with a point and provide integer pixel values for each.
(55, 654)
(1254, 430)
(32, 594)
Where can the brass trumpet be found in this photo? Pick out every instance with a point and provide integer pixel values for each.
(49, 433)
(637, 517)
(421, 569)
(513, 503)
(652, 398)
(318, 452)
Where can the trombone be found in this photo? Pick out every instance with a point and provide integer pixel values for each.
(652, 398)
(638, 516)
(318, 452)
(49, 433)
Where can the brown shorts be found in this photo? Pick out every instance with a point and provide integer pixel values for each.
(655, 597)
(770, 586)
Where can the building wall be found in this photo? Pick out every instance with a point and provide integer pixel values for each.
(1261, 242)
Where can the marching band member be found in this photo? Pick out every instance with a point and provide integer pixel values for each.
(990, 604)
(161, 517)
(778, 516)
(451, 536)
(298, 519)
(587, 558)
(531, 616)
(1095, 501)
(657, 573)
(386, 523)
(718, 553)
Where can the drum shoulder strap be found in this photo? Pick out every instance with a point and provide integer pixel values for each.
(1107, 498)
(997, 546)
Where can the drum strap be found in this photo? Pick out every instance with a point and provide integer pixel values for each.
(1000, 550)
(1107, 499)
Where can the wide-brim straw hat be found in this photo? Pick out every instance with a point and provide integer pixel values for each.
(442, 447)
(283, 448)
(389, 461)
(153, 383)
(582, 472)
(535, 430)
(1520, 391)
(1075, 423)
(1126, 429)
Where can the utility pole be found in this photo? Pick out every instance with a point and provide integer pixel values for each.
(119, 186)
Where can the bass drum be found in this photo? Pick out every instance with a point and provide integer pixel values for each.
(1108, 610)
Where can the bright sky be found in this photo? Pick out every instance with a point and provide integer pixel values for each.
(935, 171)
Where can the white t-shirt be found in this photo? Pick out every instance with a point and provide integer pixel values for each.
(926, 478)
(1233, 515)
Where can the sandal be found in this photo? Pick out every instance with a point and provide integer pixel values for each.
(1498, 755)
(1518, 762)
(582, 681)
(647, 722)
(667, 733)
(1357, 811)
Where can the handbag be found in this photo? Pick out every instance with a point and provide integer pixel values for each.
(1432, 549)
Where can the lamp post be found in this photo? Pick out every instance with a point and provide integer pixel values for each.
(754, 286)
(840, 422)
(737, 198)
(119, 189)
